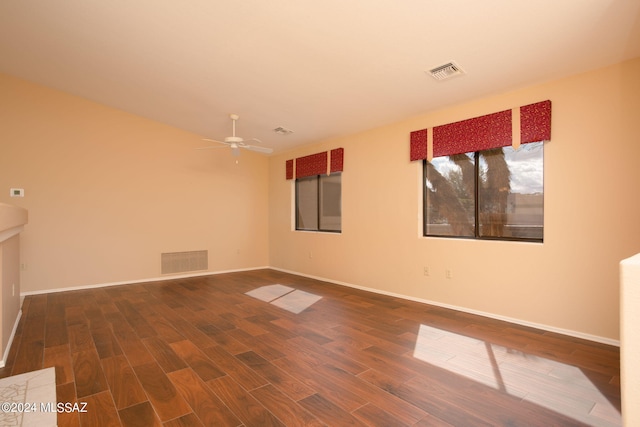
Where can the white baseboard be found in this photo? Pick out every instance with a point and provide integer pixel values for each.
(575, 334)
(131, 282)
(11, 337)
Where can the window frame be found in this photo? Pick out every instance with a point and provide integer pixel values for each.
(476, 186)
(319, 204)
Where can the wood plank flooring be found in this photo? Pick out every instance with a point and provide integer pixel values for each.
(265, 348)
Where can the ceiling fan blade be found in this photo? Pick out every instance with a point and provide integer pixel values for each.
(258, 149)
(210, 146)
(224, 144)
(213, 140)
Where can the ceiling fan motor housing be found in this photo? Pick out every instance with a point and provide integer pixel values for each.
(233, 139)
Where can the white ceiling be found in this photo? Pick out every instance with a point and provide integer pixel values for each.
(320, 68)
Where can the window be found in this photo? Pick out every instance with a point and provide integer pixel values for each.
(319, 203)
(491, 194)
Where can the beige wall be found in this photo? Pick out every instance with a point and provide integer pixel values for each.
(568, 283)
(108, 191)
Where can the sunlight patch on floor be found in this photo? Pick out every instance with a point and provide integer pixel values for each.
(290, 299)
(529, 377)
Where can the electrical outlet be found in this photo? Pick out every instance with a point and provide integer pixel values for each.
(310, 254)
(448, 274)
(427, 271)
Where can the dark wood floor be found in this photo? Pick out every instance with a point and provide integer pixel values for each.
(296, 351)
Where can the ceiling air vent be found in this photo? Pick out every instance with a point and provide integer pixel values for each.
(446, 71)
(282, 130)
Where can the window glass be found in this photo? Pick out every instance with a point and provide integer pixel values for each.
(307, 203)
(492, 194)
(319, 203)
(330, 202)
(510, 197)
(449, 202)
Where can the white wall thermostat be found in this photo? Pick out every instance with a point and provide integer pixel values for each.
(17, 192)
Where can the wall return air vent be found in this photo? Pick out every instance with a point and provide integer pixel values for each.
(181, 262)
(446, 71)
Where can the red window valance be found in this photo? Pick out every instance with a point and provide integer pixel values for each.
(337, 160)
(535, 122)
(418, 145)
(315, 164)
(481, 133)
(485, 132)
(289, 169)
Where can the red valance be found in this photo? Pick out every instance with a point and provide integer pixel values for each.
(315, 164)
(418, 145)
(535, 122)
(485, 132)
(478, 134)
(337, 160)
(289, 169)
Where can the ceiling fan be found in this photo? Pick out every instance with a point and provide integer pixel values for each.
(236, 142)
